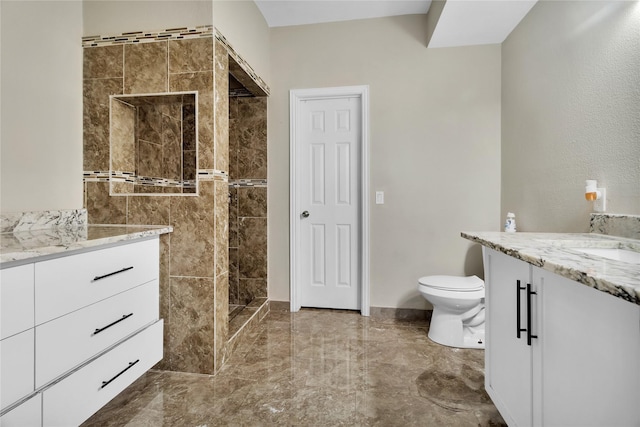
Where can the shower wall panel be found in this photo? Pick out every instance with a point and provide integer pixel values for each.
(248, 195)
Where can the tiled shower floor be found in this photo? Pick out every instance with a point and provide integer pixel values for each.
(318, 368)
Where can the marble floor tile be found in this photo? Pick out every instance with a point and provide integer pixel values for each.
(318, 368)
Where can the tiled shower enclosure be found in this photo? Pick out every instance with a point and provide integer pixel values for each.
(194, 270)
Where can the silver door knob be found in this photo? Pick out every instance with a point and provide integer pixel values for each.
(305, 214)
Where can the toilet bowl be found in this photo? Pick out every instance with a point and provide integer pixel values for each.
(458, 309)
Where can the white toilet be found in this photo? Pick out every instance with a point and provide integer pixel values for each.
(458, 309)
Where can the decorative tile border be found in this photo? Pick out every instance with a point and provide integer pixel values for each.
(256, 85)
(95, 176)
(240, 183)
(212, 175)
(261, 85)
(25, 221)
(131, 177)
(616, 225)
(122, 176)
(149, 36)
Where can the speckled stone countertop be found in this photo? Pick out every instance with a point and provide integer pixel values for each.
(553, 252)
(24, 246)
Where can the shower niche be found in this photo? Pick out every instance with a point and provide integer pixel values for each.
(153, 144)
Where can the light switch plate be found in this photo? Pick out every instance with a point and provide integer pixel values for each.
(379, 197)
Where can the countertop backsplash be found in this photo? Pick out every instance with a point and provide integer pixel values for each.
(619, 225)
(26, 221)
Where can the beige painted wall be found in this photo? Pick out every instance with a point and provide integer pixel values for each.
(243, 25)
(107, 17)
(41, 120)
(571, 112)
(435, 145)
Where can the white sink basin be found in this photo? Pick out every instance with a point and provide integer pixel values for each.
(616, 254)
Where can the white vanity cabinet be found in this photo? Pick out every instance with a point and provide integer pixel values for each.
(93, 328)
(581, 364)
(16, 334)
(508, 359)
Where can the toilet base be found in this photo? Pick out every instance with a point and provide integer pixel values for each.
(451, 330)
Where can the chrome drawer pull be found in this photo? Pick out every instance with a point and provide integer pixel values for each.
(124, 316)
(106, 383)
(95, 279)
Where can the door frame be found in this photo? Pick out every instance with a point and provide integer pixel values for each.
(296, 96)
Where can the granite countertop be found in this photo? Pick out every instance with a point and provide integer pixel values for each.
(553, 252)
(22, 247)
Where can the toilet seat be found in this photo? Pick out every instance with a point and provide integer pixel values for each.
(453, 283)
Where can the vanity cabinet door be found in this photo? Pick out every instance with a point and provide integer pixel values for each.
(16, 367)
(27, 414)
(589, 355)
(508, 376)
(16, 300)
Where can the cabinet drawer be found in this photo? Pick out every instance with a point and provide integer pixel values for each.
(67, 284)
(16, 300)
(28, 413)
(16, 367)
(78, 396)
(70, 340)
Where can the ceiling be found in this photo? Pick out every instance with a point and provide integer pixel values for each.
(465, 22)
(461, 23)
(279, 13)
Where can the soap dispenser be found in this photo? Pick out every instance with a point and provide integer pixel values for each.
(510, 223)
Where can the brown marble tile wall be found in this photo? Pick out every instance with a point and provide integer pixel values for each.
(103, 76)
(252, 147)
(221, 150)
(196, 73)
(248, 207)
(192, 317)
(234, 138)
(189, 166)
(193, 239)
(234, 278)
(172, 147)
(102, 208)
(145, 68)
(222, 107)
(194, 270)
(149, 143)
(252, 248)
(123, 136)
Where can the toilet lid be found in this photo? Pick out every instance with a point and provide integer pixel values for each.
(453, 283)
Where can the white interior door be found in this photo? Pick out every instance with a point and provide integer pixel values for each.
(328, 174)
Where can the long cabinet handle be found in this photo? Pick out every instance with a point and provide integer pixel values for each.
(95, 279)
(106, 383)
(124, 316)
(529, 294)
(518, 309)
